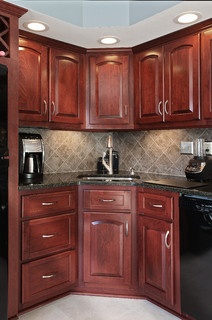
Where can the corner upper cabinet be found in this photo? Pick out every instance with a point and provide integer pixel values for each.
(109, 103)
(51, 90)
(66, 87)
(33, 81)
(167, 84)
(148, 75)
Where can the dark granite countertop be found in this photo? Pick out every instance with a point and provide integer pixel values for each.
(70, 178)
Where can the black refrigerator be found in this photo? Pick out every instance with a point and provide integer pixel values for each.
(4, 164)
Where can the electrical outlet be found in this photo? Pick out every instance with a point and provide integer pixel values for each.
(186, 147)
(208, 147)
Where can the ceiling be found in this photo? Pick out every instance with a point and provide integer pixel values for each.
(83, 22)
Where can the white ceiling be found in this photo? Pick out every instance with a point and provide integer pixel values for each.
(83, 22)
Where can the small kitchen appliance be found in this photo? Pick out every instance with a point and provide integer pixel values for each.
(200, 167)
(31, 156)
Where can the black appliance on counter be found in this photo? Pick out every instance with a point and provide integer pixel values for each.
(199, 169)
(31, 156)
(196, 256)
(102, 170)
(4, 163)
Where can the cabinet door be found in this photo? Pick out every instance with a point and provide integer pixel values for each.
(33, 81)
(67, 93)
(109, 90)
(149, 86)
(107, 248)
(182, 63)
(206, 67)
(155, 255)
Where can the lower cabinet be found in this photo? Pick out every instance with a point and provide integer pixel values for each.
(49, 244)
(107, 248)
(156, 259)
(158, 246)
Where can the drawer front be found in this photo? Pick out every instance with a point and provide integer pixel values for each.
(105, 199)
(48, 235)
(43, 277)
(41, 204)
(155, 205)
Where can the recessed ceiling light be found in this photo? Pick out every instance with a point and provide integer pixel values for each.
(36, 26)
(109, 40)
(187, 17)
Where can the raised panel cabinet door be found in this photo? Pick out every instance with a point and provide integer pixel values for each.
(206, 76)
(107, 248)
(109, 90)
(67, 93)
(33, 81)
(149, 86)
(182, 83)
(155, 256)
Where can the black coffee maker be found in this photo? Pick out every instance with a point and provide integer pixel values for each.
(102, 170)
(31, 156)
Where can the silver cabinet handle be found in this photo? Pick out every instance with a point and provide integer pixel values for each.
(45, 105)
(49, 235)
(155, 205)
(48, 203)
(159, 105)
(49, 276)
(127, 229)
(166, 243)
(107, 200)
(53, 104)
(126, 110)
(165, 107)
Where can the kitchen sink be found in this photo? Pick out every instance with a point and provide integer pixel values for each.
(108, 178)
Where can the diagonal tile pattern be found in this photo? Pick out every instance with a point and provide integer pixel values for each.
(155, 151)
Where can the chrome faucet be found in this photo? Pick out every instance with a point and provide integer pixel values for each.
(109, 166)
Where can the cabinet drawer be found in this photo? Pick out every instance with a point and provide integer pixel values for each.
(47, 235)
(106, 199)
(155, 205)
(41, 204)
(46, 276)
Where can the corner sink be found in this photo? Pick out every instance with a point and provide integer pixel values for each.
(108, 178)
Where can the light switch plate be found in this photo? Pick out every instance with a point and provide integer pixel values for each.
(208, 147)
(187, 147)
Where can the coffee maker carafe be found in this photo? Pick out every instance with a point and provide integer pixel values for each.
(31, 156)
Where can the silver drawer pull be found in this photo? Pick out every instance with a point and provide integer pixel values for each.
(166, 243)
(156, 205)
(48, 203)
(107, 200)
(49, 235)
(49, 276)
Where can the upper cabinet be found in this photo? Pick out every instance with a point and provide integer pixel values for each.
(51, 85)
(109, 104)
(206, 79)
(33, 81)
(167, 82)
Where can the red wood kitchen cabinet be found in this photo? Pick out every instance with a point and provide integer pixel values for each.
(167, 84)
(158, 246)
(110, 104)
(206, 60)
(48, 227)
(108, 238)
(51, 86)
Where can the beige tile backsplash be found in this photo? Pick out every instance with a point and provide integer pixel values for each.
(154, 151)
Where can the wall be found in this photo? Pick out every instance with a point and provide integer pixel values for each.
(156, 151)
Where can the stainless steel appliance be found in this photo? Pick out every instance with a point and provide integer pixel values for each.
(31, 156)
(200, 167)
(196, 256)
(4, 163)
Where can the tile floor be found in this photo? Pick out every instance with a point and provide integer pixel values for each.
(76, 307)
